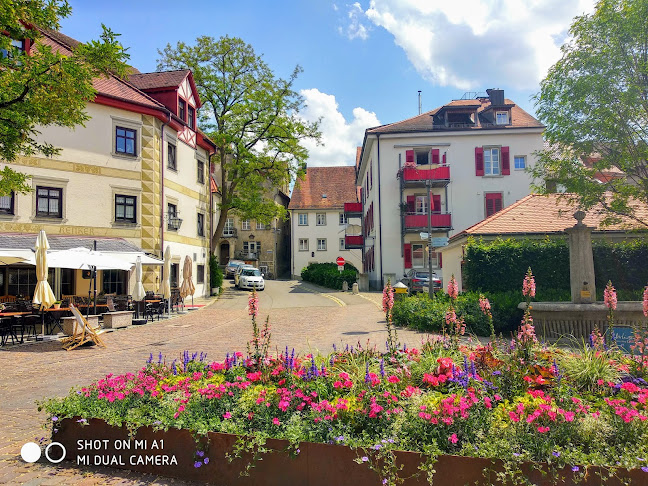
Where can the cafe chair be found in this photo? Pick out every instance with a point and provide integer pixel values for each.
(83, 333)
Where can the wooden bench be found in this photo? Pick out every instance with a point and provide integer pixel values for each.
(117, 319)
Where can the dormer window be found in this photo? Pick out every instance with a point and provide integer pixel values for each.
(191, 121)
(501, 118)
(182, 110)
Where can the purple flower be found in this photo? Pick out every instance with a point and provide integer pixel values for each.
(197, 464)
(516, 454)
(54, 419)
(644, 468)
(297, 451)
(206, 460)
(200, 453)
(575, 468)
(556, 453)
(365, 458)
(376, 447)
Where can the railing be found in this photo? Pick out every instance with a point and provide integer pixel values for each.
(420, 221)
(353, 208)
(229, 233)
(437, 174)
(353, 241)
(174, 223)
(247, 255)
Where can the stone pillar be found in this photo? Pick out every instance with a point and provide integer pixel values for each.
(363, 282)
(581, 261)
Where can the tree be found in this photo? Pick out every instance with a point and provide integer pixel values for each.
(44, 87)
(253, 118)
(594, 102)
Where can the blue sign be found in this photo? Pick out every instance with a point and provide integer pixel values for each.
(624, 338)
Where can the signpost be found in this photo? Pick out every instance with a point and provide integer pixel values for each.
(340, 262)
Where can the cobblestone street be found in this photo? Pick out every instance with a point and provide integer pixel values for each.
(301, 316)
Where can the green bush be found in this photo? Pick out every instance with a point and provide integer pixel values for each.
(328, 275)
(215, 273)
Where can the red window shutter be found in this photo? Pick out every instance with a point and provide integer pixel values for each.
(479, 161)
(498, 203)
(411, 200)
(436, 203)
(493, 203)
(444, 158)
(435, 156)
(440, 260)
(408, 255)
(409, 156)
(506, 162)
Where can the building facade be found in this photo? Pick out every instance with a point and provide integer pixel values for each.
(471, 156)
(137, 171)
(319, 223)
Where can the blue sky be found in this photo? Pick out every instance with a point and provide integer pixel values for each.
(363, 62)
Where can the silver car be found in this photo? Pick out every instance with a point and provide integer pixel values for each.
(251, 278)
(231, 267)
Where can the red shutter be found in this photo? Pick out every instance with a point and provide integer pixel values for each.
(479, 161)
(408, 255)
(506, 163)
(409, 156)
(435, 156)
(493, 203)
(444, 158)
(436, 203)
(440, 260)
(411, 201)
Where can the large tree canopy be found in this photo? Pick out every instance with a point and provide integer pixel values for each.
(44, 87)
(252, 116)
(594, 102)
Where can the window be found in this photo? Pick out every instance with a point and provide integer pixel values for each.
(420, 205)
(172, 217)
(245, 225)
(201, 172)
(418, 258)
(182, 110)
(228, 229)
(342, 244)
(125, 208)
(260, 226)
(491, 161)
(422, 157)
(171, 156)
(320, 219)
(343, 218)
(175, 271)
(201, 224)
(251, 247)
(519, 162)
(7, 204)
(191, 120)
(17, 47)
(49, 202)
(321, 244)
(22, 281)
(125, 141)
(113, 282)
(303, 244)
(67, 281)
(501, 118)
(493, 203)
(303, 219)
(200, 274)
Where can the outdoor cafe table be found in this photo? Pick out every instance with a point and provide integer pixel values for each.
(55, 319)
(9, 329)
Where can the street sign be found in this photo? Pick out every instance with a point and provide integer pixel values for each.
(440, 241)
(424, 236)
(340, 261)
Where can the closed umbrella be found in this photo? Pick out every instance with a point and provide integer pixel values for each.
(138, 292)
(165, 288)
(187, 287)
(43, 294)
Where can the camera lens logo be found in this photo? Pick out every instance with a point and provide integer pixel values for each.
(31, 452)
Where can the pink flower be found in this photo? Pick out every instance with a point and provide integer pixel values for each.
(276, 421)
(529, 286)
(393, 379)
(453, 288)
(526, 333)
(253, 304)
(645, 302)
(542, 430)
(388, 297)
(484, 304)
(227, 415)
(453, 438)
(610, 296)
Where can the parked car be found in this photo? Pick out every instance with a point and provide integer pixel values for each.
(251, 278)
(418, 281)
(237, 274)
(231, 267)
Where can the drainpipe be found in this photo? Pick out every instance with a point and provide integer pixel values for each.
(162, 183)
(382, 281)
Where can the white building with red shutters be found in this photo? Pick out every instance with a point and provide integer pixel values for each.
(471, 152)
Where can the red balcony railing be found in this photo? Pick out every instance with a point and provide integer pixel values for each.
(420, 221)
(353, 241)
(353, 208)
(438, 174)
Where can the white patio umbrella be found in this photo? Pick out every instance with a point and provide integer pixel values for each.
(187, 287)
(84, 258)
(165, 287)
(138, 292)
(43, 294)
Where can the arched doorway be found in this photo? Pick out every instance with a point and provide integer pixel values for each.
(224, 252)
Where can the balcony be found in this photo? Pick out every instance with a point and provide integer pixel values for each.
(353, 241)
(419, 222)
(414, 177)
(247, 255)
(229, 233)
(353, 209)
(173, 223)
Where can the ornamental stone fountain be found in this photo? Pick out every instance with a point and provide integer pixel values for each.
(583, 314)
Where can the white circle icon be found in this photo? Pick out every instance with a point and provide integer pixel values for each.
(30, 452)
(55, 461)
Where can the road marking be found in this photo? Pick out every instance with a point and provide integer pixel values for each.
(371, 300)
(328, 296)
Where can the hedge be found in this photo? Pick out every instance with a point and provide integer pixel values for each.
(500, 265)
(328, 275)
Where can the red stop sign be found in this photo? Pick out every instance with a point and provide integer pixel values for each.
(340, 261)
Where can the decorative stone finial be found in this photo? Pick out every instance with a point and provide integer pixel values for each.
(579, 216)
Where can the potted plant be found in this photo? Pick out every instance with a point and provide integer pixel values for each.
(57, 304)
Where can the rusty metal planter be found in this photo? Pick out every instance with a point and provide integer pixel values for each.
(316, 465)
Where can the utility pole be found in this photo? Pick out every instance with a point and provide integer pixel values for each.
(428, 185)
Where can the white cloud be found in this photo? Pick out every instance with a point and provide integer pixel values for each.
(354, 28)
(339, 136)
(472, 44)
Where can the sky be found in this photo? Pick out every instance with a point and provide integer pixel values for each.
(363, 62)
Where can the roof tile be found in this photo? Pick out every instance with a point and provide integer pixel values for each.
(337, 183)
(166, 79)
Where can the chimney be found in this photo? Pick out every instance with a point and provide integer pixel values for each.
(419, 100)
(496, 96)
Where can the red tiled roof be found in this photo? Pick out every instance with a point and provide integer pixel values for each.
(358, 155)
(337, 183)
(425, 122)
(165, 79)
(544, 214)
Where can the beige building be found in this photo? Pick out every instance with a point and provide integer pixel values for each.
(137, 173)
